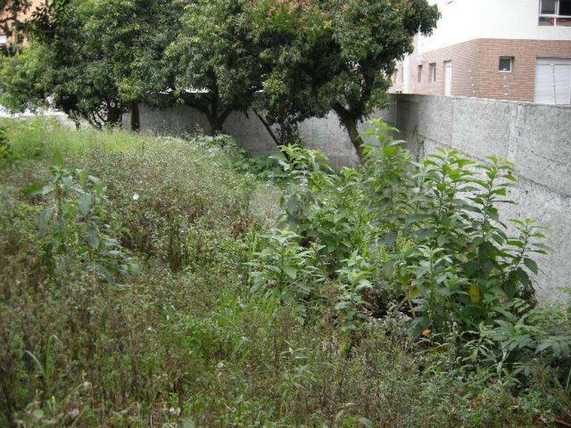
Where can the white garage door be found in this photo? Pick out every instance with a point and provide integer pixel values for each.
(553, 81)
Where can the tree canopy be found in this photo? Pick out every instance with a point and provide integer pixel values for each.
(216, 59)
(92, 59)
(336, 55)
(286, 60)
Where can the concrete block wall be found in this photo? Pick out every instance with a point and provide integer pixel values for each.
(536, 138)
(324, 133)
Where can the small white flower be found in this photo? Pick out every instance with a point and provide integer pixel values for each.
(136, 197)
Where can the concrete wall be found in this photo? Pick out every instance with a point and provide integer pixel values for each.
(325, 133)
(536, 138)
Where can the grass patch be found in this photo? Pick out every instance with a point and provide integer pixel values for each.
(87, 341)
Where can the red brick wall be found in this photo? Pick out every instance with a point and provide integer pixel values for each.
(519, 85)
(465, 73)
(475, 66)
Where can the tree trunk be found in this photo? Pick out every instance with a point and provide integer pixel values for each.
(217, 120)
(135, 118)
(268, 128)
(350, 124)
(216, 125)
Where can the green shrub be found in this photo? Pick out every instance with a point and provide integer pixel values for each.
(465, 266)
(425, 238)
(235, 319)
(428, 235)
(75, 227)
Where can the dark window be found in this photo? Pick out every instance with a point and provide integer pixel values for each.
(565, 7)
(506, 63)
(556, 7)
(419, 73)
(548, 7)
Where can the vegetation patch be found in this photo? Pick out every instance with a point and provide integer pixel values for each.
(152, 281)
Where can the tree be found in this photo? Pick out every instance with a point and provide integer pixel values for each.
(293, 43)
(336, 54)
(289, 60)
(216, 60)
(64, 66)
(237, 55)
(371, 35)
(93, 60)
(133, 36)
(22, 77)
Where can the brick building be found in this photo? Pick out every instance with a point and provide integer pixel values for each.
(11, 35)
(503, 49)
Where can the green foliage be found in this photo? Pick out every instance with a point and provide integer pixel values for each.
(237, 318)
(454, 261)
(75, 228)
(22, 84)
(284, 263)
(92, 60)
(427, 237)
(465, 265)
(75, 322)
(334, 55)
(286, 60)
(217, 69)
(524, 341)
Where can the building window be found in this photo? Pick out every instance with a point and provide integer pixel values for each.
(506, 64)
(448, 78)
(548, 7)
(419, 73)
(555, 12)
(433, 72)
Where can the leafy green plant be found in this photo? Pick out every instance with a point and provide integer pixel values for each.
(74, 227)
(430, 232)
(241, 320)
(387, 171)
(524, 341)
(354, 288)
(326, 207)
(6, 154)
(465, 265)
(284, 265)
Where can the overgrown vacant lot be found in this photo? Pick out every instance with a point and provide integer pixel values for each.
(150, 281)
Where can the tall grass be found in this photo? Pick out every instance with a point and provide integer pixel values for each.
(184, 340)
